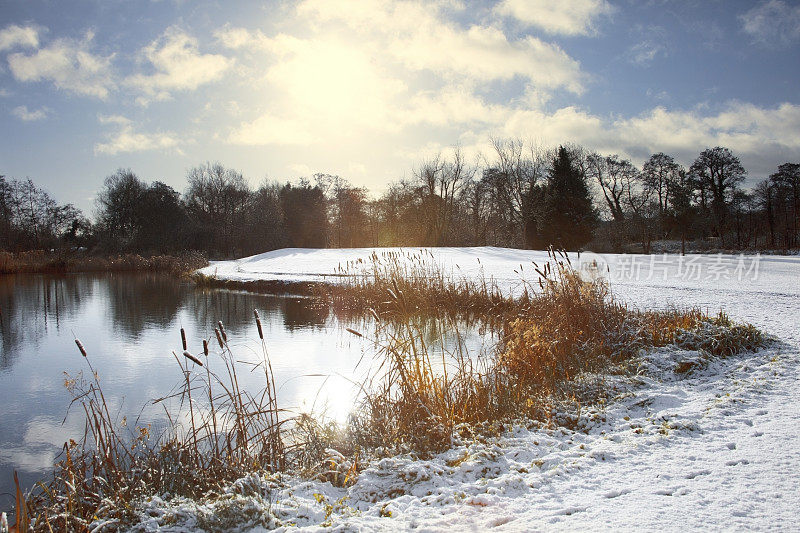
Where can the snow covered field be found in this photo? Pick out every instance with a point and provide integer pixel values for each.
(717, 448)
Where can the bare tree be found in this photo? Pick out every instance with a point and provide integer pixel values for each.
(660, 174)
(217, 197)
(441, 182)
(720, 172)
(785, 184)
(615, 177)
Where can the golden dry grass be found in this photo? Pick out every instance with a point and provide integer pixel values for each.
(550, 338)
(426, 389)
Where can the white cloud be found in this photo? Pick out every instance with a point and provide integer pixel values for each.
(566, 17)
(742, 127)
(23, 113)
(113, 119)
(450, 106)
(238, 38)
(300, 169)
(656, 94)
(270, 129)
(645, 52)
(381, 66)
(773, 23)
(69, 64)
(126, 139)
(762, 137)
(18, 36)
(422, 39)
(486, 54)
(178, 66)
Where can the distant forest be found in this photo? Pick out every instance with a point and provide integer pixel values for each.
(520, 196)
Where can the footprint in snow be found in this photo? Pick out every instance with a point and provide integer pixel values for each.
(731, 445)
(692, 475)
(500, 521)
(736, 462)
(616, 493)
(567, 511)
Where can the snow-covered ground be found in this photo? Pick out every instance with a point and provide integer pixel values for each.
(717, 448)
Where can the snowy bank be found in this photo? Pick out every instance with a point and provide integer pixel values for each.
(763, 290)
(712, 448)
(716, 449)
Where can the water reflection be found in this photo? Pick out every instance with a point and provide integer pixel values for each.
(304, 313)
(130, 326)
(29, 308)
(151, 301)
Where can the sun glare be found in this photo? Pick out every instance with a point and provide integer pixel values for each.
(335, 83)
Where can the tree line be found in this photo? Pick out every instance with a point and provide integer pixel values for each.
(519, 196)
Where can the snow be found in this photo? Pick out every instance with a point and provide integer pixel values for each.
(714, 448)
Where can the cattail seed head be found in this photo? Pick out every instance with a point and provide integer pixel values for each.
(255, 312)
(222, 330)
(354, 332)
(183, 339)
(205, 347)
(80, 347)
(219, 338)
(192, 358)
(260, 331)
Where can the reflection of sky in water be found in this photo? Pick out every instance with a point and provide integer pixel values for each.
(129, 325)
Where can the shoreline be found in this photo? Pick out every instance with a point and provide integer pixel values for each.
(42, 262)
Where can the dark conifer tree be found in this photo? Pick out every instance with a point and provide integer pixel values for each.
(567, 217)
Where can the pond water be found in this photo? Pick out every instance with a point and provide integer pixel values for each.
(130, 326)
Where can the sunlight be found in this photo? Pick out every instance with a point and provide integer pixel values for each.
(335, 83)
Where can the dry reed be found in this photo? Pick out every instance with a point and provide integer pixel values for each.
(424, 392)
(99, 480)
(551, 337)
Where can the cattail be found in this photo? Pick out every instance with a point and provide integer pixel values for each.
(183, 339)
(374, 314)
(80, 347)
(255, 312)
(354, 332)
(260, 331)
(192, 358)
(219, 338)
(205, 347)
(222, 330)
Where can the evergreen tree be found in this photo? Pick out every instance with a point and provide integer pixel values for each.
(567, 217)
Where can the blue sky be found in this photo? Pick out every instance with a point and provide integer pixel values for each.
(367, 89)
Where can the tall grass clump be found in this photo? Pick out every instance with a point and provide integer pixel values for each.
(563, 329)
(218, 433)
(399, 283)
